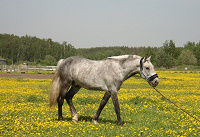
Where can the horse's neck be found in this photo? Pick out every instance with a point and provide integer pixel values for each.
(131, 67)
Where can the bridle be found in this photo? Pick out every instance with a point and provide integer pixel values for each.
(148, 79)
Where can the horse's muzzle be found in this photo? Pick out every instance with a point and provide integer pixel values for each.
(154, 82)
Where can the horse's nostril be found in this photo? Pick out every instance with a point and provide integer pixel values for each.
(155, 83)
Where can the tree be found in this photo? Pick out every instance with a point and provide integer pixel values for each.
(149, 51)
(170, 49)
(49, 60)
(166, 56)
(162, 59)
(190, 46)
(187, 57)
(32, 49)
(195, 48)
(197, 51)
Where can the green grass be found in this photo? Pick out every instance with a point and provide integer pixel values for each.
(25, 110)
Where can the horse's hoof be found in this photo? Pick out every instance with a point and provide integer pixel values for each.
(60, 118)
(95, 121)
(75, 121)
(120, 124)
(75, 118)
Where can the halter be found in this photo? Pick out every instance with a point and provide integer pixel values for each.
(148, 79)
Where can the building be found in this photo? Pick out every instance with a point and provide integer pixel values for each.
(3, 61)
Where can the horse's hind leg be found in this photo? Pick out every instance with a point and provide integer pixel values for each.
(74, 89)
(60, 101)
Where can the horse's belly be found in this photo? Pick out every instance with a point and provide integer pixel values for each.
(92, 85)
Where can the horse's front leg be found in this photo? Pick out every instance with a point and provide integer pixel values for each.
(116, 105)
(102, 104)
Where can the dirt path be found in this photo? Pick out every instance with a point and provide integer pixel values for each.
(29, 76)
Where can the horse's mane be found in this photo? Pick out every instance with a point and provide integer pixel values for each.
(124, 57)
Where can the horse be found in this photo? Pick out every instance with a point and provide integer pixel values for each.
(106, 75)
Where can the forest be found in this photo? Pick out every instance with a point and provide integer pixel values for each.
(33, 50)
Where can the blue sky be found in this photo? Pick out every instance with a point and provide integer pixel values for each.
(94, 23)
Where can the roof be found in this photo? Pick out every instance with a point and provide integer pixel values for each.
(2, 59)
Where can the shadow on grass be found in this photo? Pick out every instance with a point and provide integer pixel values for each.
(82, 118)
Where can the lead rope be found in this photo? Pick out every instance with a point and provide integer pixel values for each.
(177, 105)
(154, 76)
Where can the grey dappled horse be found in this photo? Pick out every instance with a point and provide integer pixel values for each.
(106, 75)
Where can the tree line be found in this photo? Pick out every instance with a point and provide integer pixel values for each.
(33, 50)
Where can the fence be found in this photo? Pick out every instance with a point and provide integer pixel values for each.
(25, 67)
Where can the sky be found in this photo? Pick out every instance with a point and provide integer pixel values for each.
(103, 23)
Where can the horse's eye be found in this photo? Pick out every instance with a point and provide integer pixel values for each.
(147, 68)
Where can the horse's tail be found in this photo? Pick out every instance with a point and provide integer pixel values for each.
(55, 86)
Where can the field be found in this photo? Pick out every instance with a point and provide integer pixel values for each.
(24, 106)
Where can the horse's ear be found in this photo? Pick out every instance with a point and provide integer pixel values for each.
(149, 58)
(145, 59)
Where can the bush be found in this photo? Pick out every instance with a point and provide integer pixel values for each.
(187, 57)
(49, 60)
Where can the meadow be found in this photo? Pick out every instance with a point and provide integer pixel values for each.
(24, 108)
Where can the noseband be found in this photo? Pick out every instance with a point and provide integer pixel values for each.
(148, 79)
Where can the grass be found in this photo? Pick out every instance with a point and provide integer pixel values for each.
(25, 111)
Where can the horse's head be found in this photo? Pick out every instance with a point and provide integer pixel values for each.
(147, 71)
